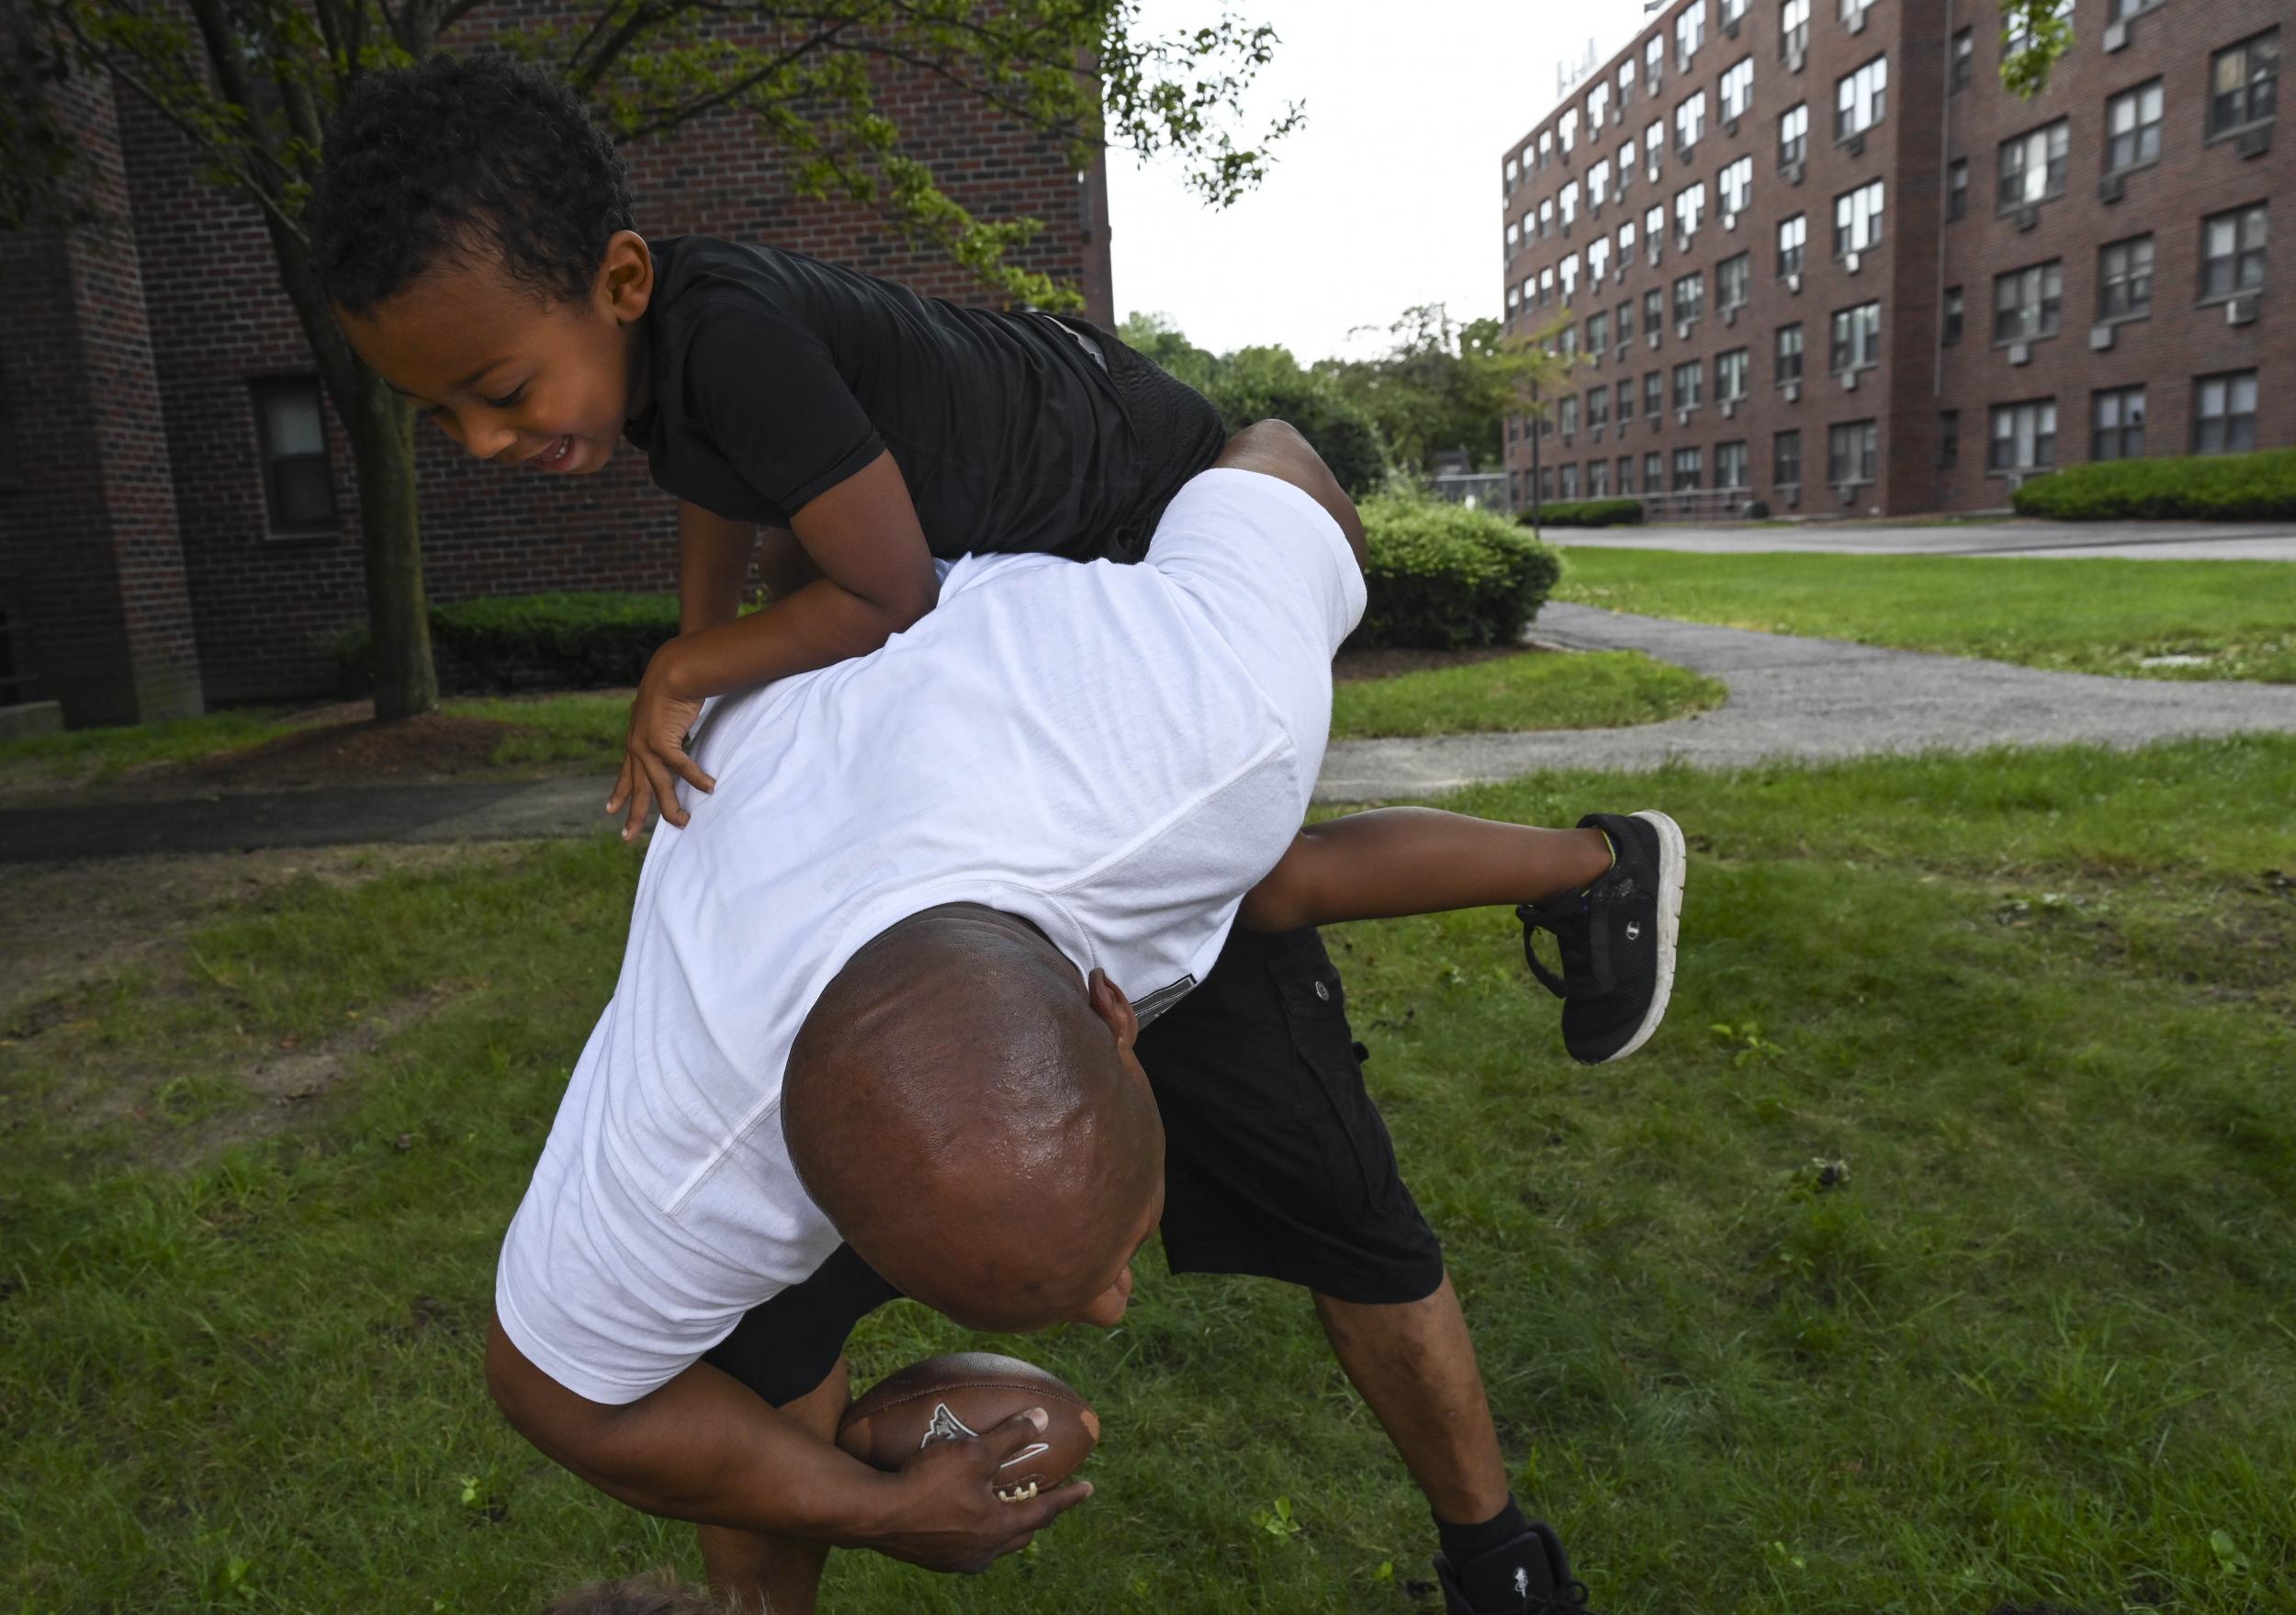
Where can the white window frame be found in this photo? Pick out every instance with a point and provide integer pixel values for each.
(1734, 187)
(1862, 98)
(1690, 120)
(2030, 423)
(1793, 245)
(1794, 134)
(1858, 218)
(1690, 208)
(1735, 93)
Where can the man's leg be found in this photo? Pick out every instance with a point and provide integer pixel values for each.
(1414, 1366)
(760, 1574)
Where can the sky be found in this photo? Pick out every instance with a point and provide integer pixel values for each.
(1389, 196)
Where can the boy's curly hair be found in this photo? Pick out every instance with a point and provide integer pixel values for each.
(481, 156)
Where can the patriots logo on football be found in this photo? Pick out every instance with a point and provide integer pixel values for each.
(945, 1427)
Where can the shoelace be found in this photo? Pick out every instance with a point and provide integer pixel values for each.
(1574, 910)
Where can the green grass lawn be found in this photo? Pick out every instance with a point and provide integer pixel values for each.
(2104, 617)
(1534, 691)
(2037, 1349)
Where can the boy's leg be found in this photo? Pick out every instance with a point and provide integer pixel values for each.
(754, 1571)
(1397, 861)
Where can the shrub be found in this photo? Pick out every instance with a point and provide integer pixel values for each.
(2212, 487)
(1340, 429)
(1587, 513)
(538, 642)
(1445, 578)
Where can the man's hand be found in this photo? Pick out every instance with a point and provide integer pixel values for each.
(943, 1511)
(655, 756)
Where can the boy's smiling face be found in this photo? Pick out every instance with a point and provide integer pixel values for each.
(509, 376)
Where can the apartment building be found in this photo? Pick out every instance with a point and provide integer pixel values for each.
(1813, 254)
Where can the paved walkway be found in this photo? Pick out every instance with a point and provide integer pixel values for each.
(2046, 541)
(1790, 697)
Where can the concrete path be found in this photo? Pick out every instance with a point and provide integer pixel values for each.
(2047, 540)
(1790, 698)
(1801, 698)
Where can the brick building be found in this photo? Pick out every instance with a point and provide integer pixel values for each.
(179, 517)
(1812, 253)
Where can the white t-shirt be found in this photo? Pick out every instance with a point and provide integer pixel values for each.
(1116, 753)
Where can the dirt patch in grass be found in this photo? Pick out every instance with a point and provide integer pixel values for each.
(1354, 666)
(346, 752)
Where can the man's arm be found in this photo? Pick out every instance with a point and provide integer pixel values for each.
(1276, 449)
(705, 1448)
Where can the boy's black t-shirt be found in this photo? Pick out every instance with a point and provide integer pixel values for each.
(776, 376)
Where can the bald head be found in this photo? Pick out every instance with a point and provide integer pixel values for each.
(968, 1112)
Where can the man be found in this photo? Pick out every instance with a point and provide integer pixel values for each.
(873, 1035)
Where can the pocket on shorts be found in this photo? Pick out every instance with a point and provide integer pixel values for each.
(1334, 1106)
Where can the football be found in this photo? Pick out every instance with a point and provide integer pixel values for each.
(956, 1398)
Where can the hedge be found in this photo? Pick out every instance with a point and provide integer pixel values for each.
(537, 641)
(2210, 486)
(1446, 578)
(1586, 513)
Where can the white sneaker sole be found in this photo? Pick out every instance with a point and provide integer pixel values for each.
(1673, 864)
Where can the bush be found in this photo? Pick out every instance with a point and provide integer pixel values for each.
(1445, 578)
(1587, 513)
(538, 642)
(2213, 487)
(1339, 428)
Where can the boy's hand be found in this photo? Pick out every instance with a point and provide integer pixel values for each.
(656, 756)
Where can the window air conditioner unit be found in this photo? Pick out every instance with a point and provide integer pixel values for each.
(1618, 276)
(1730, 222)
(1794, 285)
(1654, 340)
(1794, 392)
(2116, 37)
(1729, 127)
(1652, 253)
(1683, 153)
(1730, 408)
(1849, 382)
(1618, 113)
(1682, 417)
(2256, 141)
(2028, 216)
(1857, 20)
(1682, 328)
(1856, 144)
(1729, 28)
(1848, 492)
(2101, 337)
(1681, 64)
(2020, 352)
(1851, 262)
(1622, 351)
(2241, 311)
(1566, 229)
(1682, 243)
(1796, 59)
(1794, 173)
(2015, 481)
(2111, 188)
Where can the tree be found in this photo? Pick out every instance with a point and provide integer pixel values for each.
(2035, 34)
(253, 85)
(1442, 385)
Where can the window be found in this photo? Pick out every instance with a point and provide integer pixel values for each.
(2244, 83)
(1730, 465)
(1653, 149)
(1793, 135)
(1789, 354)
(1598, 186)
(1858, 220)
(1734, 11)
(2231, 251)
(2124, 279)
(1851, 449)
(1689, 469)
(1625, 244)
(1654, 60)
(2122, 11)
(1627, 157)
(1626, 323)
(2017, 33)
(1567, 204)
(2132, 127)
(2027, 302)
(1733, 281)
(1597, 479)
(1653, 476)
(1570, 341)
(1653, 393)
(1794, 29)
(1546, 147)
(1690, 32)
(1597, 109)
(1547, 482)
(1597, 334)
(1862, 98)
(2024, 436)
(1546, 284)
(1965, 59)
(1570, 279)
(1654, 230)
(1567, 131)
(1512, 235)
(1626, 404)
(1626, 83)
(1546, 216)
(1735, 186)
(1792, 234)
(291, 436)
(1857, 338)
(1737, 92)
(2033, 167)
(1514, 428)
(1571, 481)
(2117, 424)
(1690, 208)
(1952, 331)
(2224, 413)
(1689, 120)
(1690, 384)
(1689, 297)
(1957, 189)
(1597, 408)
(1853, 12)
(1625, 473)
(1653, 310)
(1785, 460)
(1947, 439)
(1731, 371)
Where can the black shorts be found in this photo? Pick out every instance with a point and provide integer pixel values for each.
(1178, 430)
(1276, 1164)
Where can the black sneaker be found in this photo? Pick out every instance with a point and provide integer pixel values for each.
(1616, 938)
(1530, 1576)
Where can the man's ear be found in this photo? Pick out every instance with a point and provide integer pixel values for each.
(1113, 1008)
(626, 278)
